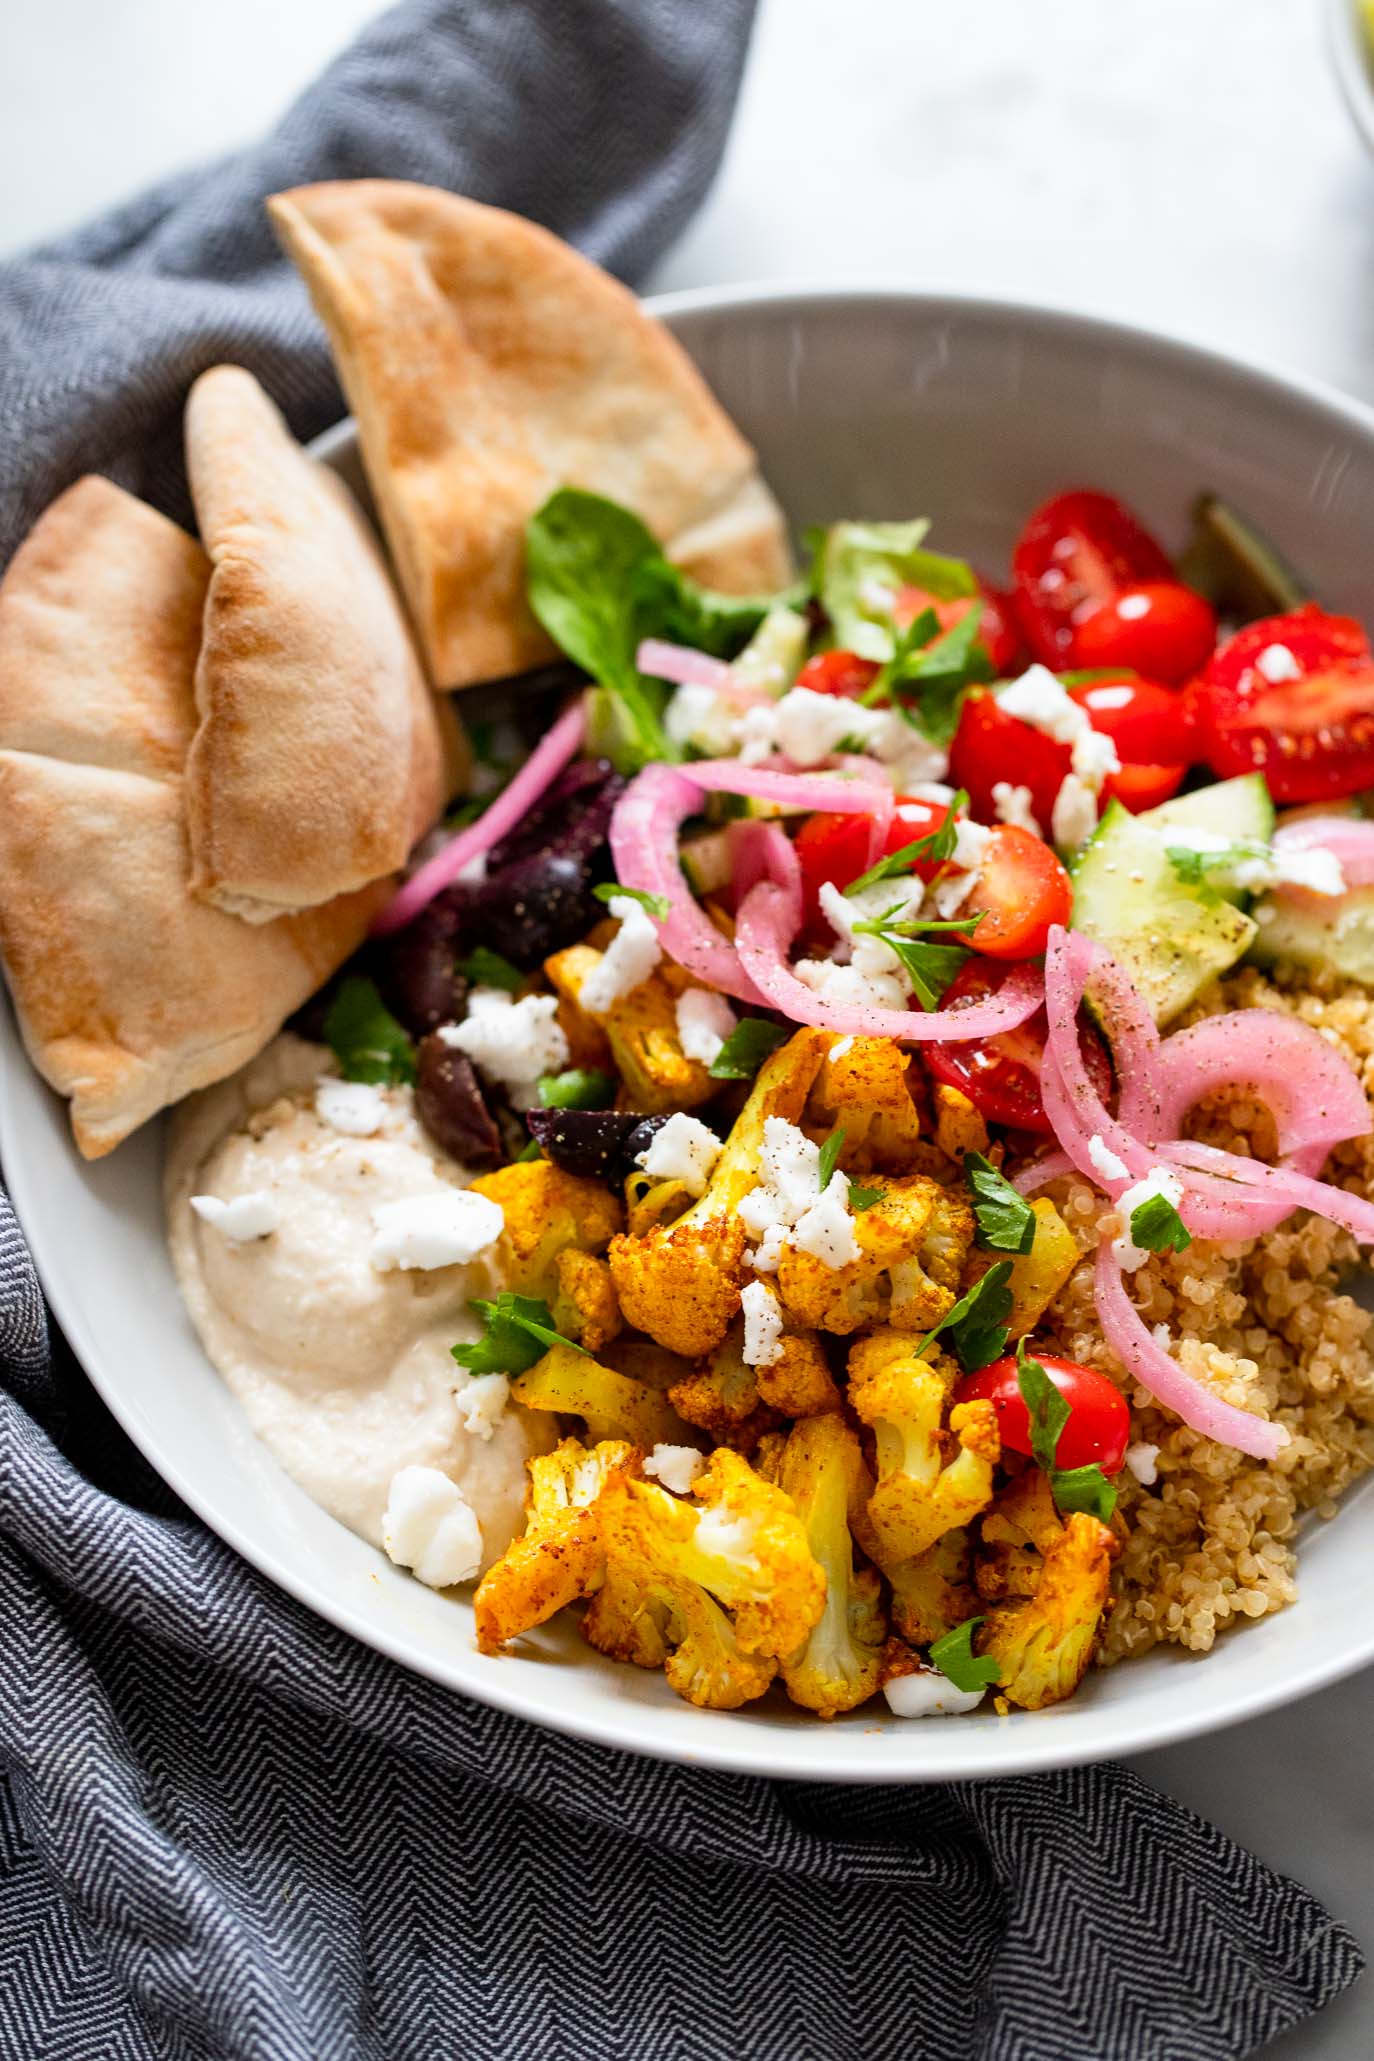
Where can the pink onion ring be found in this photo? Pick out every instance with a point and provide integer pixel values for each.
(1076, 1111)
(1315, 1097)
(539, 771)
(762, 851)
(1049, 1167)
(644, 844)
(682, 665)
(1146, 1361)
(764, 930)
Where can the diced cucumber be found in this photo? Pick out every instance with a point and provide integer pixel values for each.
(706, 861)
(1240, 810)
(773, 656)
(1339, 935)
(1172, 938)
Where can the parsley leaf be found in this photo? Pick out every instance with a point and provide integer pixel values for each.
(1194, 867)
(929, 967)
(751, 1042)
(534, 1150)
(935, 847)
(519, 1331)
(1005, 1220)
(1084, 1488)
(658, 906)
(830, 1157)
(1156, 1226)
(977, 1324)
(576, 1089)
(365, 1038)
(1073, 1488)
(955, 1658)
(861, 1198)
(927, 682)
(486, 969)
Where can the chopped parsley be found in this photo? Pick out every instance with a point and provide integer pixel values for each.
(534, 1150)
(751, 1042)
(830, 1157)
(956, 1660)
(486, 969)
(576, 1089)
(861, 1198)
(658, 906)
(1156, 1226)
(1196, 869)
(977, 1324)
(519, 1331)
(929, 967)
(366, 1039)
(934, 848)
(1005, 1220)
(1073, 1488)
(928, 679)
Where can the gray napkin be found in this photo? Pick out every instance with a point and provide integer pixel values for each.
(227, 1831)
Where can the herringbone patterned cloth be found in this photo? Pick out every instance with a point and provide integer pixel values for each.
(225, 1830)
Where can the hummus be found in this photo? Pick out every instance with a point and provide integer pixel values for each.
(342, 1366)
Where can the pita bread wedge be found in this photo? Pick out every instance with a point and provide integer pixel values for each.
(487, 363)
(129, 991)
(319, 759)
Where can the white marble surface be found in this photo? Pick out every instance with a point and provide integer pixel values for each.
(1182, 163)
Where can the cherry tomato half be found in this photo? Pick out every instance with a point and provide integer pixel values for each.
(991, 748)
(1021, 891)
(1292, 697)
(1099, 1424)
(1154, 730)
(1077, 552)
(998, 632)
(1001, 1075)
(835, 848)
(1160, 627)
(838, 672)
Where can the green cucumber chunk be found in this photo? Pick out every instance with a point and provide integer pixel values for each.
(1339, 936)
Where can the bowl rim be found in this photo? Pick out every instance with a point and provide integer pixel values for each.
(837, 1756)
(1351, 63)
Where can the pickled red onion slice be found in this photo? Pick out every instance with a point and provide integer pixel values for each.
(682, 665)
(1350, 839)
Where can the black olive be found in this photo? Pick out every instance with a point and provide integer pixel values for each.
(572, 817)
(449, 1104)
(416, 970)
(533, 908)
(638, 1141)
(589, 1142)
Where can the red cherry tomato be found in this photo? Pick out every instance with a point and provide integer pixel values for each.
(999, 632)
(1160, 627)
(838, 672)
(1001, 1075)
(990, 748)
(835, 848)
(1077, 553)
(1099, 1424)
(1292, 697)
(1143, 787)
(1150, 725)
(1021, 890)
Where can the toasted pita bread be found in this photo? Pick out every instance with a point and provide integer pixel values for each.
(318, 761)
(129, 991)
(487, 363)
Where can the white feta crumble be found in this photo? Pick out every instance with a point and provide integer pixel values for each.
(809, 727)
(1094, 756)
(446, 1228)
(1012, 804)
(1160, 1185)
(840, 1047)
(704, 718)
(925, 791)
(1313, 868)
(971, 841)
(704, 1021)
(1108, 1164)
(512, 1042)
(430, 1527)
(627, 961)
(1074, 818)
(354, 1107)
(827, 1229)
(481, 1402)
(685, 1150)
(762, 1325)
(1141, 1461)
(1161, 1336)
(1277, 663)
(677, 1467)
(241, 1220)
(1041, 700)
(868, 971)
(849, 987)
(928, 1693)
(788, 1207)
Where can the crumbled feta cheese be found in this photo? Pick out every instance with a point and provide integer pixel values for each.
(512, 1042)
(849, 987)
(1075, 814)
(677, 1467)
(840, 1047)
(430, 1527)
(704, 1021)
(827, 1229)
(970, 844)
(1042, 701)
(1106, 1161)
(1313, 868)
(446, 1228)
(241, 1220)
(1011, 804)
(1277, 663)
(1094, 756)
(704, 718)
(354, 1107)
(928, 1693)
(628, 960)
(810, 727)
(685, 1150)
(758, 733)
(1141, 1461)
(480, 1402)
(1160, 1184)
(914, 765)
(926, 791)
(762, 1325)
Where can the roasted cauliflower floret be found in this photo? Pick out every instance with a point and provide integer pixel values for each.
(1043, 1643)
(650, 1202)
(584, 1305)
(1014, 1536)
(611, 1405)
(560, 1555)
(547, 1212)
(723, 1396)
(820, 1467)
(932, 1594)
(1037, 1276)
(799, 1382)
(677, 1626)
(864, 1092)
(930, 1479)
(912, 1245)
(641, 1029)
(958, 1126)
(681, 1282)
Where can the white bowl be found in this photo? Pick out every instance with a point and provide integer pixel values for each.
(878, 404)
(1350, 58)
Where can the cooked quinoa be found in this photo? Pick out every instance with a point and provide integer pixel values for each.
(1268, 1322)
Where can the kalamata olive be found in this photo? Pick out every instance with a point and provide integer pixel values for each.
(572, 817)
(589, 1142)
(638, 1141)
(416, 970)
(533, 908)
(449, 1104)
